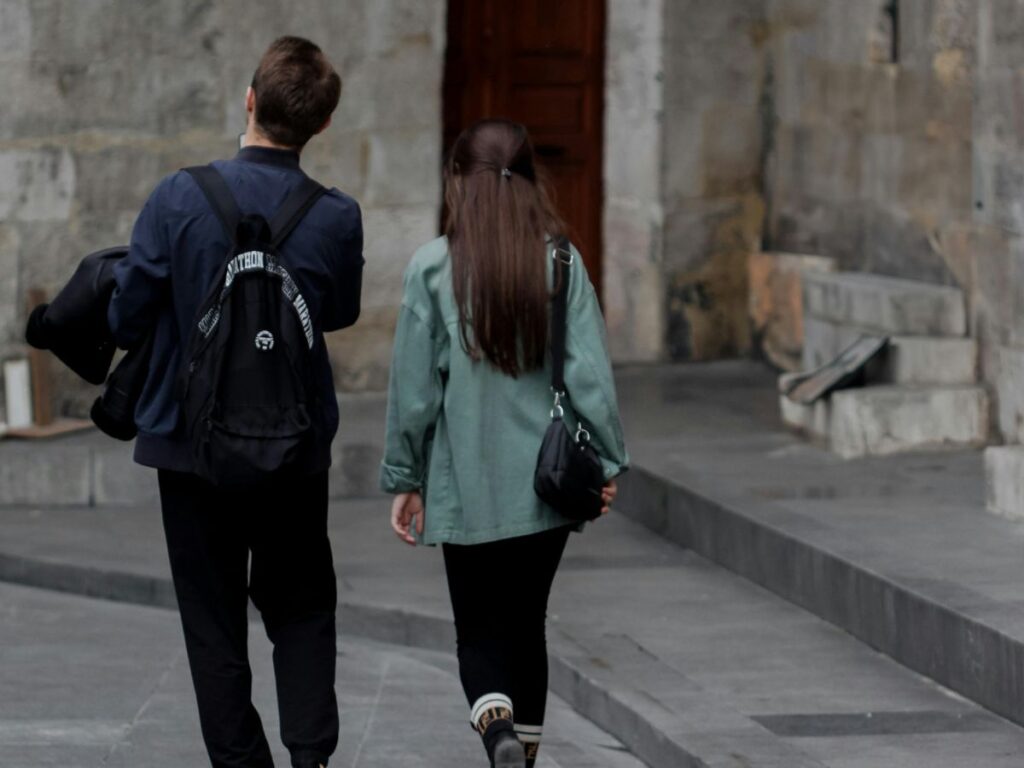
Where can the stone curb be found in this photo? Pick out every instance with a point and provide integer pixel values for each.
(622, 705)
(941, 642)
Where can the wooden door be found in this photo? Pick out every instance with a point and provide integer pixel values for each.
(541, 63)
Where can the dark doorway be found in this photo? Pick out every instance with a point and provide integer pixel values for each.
(540, 63)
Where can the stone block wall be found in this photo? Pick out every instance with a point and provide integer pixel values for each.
(908, 160)
(104, 97)
(634, 299)
(998, 189)
(714, 81)
(683, 169)
(731, 127)
(870, 148)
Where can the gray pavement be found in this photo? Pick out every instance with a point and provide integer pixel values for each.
(93, 683)
(686, 663)
(899, 551)
(714, 662)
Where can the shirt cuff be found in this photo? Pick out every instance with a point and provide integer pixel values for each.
(398, 479)
(613, 468)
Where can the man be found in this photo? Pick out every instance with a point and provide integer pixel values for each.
(177, 247)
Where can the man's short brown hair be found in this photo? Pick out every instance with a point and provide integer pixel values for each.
(296, 91)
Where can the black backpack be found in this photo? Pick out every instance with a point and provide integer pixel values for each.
(246, 387)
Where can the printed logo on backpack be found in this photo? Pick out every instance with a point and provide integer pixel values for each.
(246, 393)
(264, 341)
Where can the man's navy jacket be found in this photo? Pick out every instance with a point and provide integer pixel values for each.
(177, 246)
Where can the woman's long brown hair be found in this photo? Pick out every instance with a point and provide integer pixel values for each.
(499, 214)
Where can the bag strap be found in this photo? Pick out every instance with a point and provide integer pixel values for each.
(294, 208)
(221, 199)
(219, 195)
(559, 310)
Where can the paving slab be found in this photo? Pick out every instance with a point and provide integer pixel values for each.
(685, 663)
(899, 551)
(93, 683)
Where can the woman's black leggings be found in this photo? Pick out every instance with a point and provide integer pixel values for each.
(499, 594)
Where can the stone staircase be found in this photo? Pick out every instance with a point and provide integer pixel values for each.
(922, 395)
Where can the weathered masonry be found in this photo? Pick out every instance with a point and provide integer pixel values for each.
(881, 134)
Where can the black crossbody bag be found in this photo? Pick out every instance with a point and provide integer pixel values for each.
(569, 476)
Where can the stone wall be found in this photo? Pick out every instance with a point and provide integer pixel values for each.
(714, 81)
(683, 165)
(870, 148)
(908, 160)
(731, 127)
(998, 188)
(104, 97)
(634, 298)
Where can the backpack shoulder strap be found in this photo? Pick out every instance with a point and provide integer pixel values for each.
(219, 196)
(294, 208)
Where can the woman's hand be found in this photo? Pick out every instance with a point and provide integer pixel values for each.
(608, 496)
(404, 509)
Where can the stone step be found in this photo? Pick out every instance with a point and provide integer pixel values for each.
(883, 420)
(886, 305)
(908, 359)
(1004, 480)
(924, 619)
(775, 305)
(899, 551)
(91, 469)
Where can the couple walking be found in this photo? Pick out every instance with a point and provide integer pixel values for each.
(469, 402)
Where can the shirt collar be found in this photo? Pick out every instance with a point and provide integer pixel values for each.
(283, 158)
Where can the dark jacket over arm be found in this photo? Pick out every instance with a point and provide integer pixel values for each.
(74, 325)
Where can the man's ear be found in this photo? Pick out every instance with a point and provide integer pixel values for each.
(250, 100)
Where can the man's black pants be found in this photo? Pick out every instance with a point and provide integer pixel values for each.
(210, 535)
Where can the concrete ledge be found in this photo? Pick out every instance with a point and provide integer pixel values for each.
(885, 304)
(883, 420)
(1004, 480)
(879, 421)
(810, 421)
(119, 586)
(92, 469)
(944, 635)
(914, 360)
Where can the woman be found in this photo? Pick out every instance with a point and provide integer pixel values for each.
(468, 405)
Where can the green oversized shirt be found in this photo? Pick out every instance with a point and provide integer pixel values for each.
(465, 434)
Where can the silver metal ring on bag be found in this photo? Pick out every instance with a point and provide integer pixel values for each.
(581, 432)
(558, 405)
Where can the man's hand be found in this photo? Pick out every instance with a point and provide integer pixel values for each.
(404, 509)
(608, 496)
